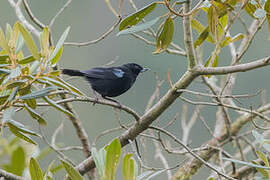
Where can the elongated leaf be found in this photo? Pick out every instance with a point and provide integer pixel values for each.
(136, 17)
(13, 94)
(202, 37)
(72, 172)
(250, 9)
(8, 114)
(128, 167)
(112, 159)
(3, 99)
(139, 27)
(35, 115)
(28, 40)
(71, 88)
(263, 157)
(99, 158)
(19, 43)
(35, 170)
(166, 36)
(212, 20)
(260, 170)
(3, 42)
(39, 93)
(246, 163)
(59, 46)
(57, 56)
(26, 60)
(30, 102)
(212, 62)
(44, 41)
(16, 84)
(57, 106)
(20, 127)
(13, 74)
(3, 59)
(20, 135)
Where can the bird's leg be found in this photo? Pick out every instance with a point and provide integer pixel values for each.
(96, 97)
(109, 99)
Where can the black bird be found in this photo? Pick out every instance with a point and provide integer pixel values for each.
(111, 81)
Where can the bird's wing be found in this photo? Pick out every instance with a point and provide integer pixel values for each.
(104, 73)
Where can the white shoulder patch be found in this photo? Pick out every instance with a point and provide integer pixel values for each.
(118, 72)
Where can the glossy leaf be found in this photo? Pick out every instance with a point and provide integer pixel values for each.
(26, 60)
(60, 82)
(166, 36)
(128, 167)
(28, 40)
(19, 43)
(19, 134)
(202, 37)
(57, 56)
(212, 20)
(57, 106)
(39, 93)
(250, 9)
(35, 115)
(72, 172)
(3, 42)
(59, 46)
(136, 17)
(35, 170)
(3, 59)
(112, 159)
(100, 159)
(44, 41)
(138, 28)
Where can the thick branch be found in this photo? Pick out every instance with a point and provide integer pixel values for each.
(232, 69)
(9, 176)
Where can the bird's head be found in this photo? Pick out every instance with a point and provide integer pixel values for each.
(136, 68)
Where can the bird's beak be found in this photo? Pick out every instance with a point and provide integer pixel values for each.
(144, 69)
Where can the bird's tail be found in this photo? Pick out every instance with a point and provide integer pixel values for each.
(72, 72)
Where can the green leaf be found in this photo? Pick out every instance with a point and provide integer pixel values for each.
(136, 17)
(35, 170)
(3, 59)
(99, 159)
(16, 83)
(39, 93)
(26, 60)
(250, 9)
(212, 61)
(72, 172)
(229, 40)
(128, 167)
(139, 27)
(166, 36)
(57, 106)
(246, 163)
(263, 158)
(212, 20)
(30, 102)
(3, 42)
(58, 47)
(13, 94)
(20, 127)
(60, 82)
(18, 162)
(202, 37)
(48, 173)
(44, 41)
(112, 159)
(57, 56)
(20, 135)
(262, 171)
(13, 74)
(35, 115)
(19, 43)
(28, 40)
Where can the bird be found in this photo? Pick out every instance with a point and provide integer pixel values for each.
(109, 81)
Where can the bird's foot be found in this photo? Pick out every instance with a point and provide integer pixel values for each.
(95, 101)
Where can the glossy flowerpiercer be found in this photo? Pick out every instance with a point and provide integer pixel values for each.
(111, 81)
